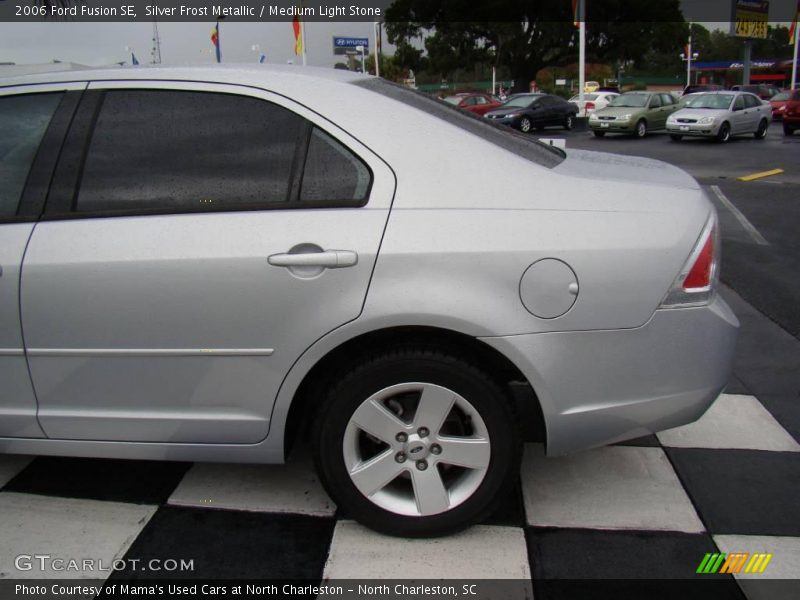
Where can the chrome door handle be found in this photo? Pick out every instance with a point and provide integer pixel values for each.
(330, 259)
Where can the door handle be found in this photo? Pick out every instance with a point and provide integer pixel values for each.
(330, 259)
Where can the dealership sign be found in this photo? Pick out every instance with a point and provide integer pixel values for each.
(348, 45)
(749, 18)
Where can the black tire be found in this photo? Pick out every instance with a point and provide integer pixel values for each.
(525, 125)
(787, 130)
(761, 132)
(568, 122)
(675, 137)
(724, 133)
(431, 366)
(599, 133)
(641, 129)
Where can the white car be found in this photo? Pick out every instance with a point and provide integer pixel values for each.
(721, 115)
(592, 102)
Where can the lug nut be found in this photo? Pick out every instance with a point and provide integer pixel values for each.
(400, 457)
(401, 437)
(423, 431)
(436, 449)
(422, 465)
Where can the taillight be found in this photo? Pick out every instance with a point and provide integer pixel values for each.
(590, 106)
(697, 281)
(699, 276)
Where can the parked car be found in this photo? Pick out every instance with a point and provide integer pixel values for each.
(764, 92)
(721, 115)
(791, 115)
(592, 102)
(701, 87)
(534, 111)
(479, 104)
(778, 103)
(205, 269)
(634, 113)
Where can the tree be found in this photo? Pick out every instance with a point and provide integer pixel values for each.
(533, 33)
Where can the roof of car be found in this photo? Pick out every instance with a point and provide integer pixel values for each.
(239, 73)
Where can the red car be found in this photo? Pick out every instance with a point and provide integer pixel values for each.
(778, 102)
(791, 115)
(479, 104)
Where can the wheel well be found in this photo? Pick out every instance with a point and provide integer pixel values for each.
(312, 390)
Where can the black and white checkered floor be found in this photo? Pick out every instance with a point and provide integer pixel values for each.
(641, 511)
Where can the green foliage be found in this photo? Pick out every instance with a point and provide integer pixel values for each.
(462, 38)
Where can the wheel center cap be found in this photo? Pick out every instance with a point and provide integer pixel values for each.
(416, 448)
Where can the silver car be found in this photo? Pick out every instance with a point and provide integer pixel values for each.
(218, 264)
(721, 115)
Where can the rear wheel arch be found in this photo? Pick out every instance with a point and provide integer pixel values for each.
(309, 395)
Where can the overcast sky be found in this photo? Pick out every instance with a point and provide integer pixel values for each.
(104, 43)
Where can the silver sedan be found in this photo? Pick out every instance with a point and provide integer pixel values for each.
(721, 115)
(222, 264)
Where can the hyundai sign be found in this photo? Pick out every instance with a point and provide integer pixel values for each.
(347, 45)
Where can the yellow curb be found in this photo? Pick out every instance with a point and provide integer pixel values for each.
(760, 175)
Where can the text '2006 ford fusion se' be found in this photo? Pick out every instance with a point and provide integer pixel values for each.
(218, 264)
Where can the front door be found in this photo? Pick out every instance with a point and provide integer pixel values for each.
(212, 234)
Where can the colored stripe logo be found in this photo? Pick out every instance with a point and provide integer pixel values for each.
(735, 562)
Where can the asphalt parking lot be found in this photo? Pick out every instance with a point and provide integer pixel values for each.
(629, 521)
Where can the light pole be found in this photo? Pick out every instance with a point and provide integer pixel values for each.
(688, 56)
(261, 56)
(363, 64)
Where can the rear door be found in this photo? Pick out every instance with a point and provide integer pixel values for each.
(198, 238)
(656, 117)
(752, 108)
(33, 121)
(739, 116)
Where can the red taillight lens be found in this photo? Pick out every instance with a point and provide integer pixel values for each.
(696, 284)
(699, 276)
(590, 106)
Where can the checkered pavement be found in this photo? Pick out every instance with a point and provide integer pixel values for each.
(639, 512)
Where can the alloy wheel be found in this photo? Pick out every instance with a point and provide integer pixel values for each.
(416, 449)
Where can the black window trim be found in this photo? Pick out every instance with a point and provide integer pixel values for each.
(40, 175)
(61, 202)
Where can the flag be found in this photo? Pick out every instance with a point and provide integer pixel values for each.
(134, 60)
(793, 26)
(215, 41)
(262, 59)
(298, 36)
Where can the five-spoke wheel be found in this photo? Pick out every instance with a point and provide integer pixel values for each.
(416, 443)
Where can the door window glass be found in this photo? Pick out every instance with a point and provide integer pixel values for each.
(23, 122)
(738, 104)
(655, 101)
(186, 150)
(751, 101)
(333, 173)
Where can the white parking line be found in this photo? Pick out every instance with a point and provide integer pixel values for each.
(748, 226)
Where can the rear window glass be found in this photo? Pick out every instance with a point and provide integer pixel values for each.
(518, 143)
(332, 172)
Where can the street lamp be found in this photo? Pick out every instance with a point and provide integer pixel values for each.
(363, 64)
(689, 56)
(261, 56)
